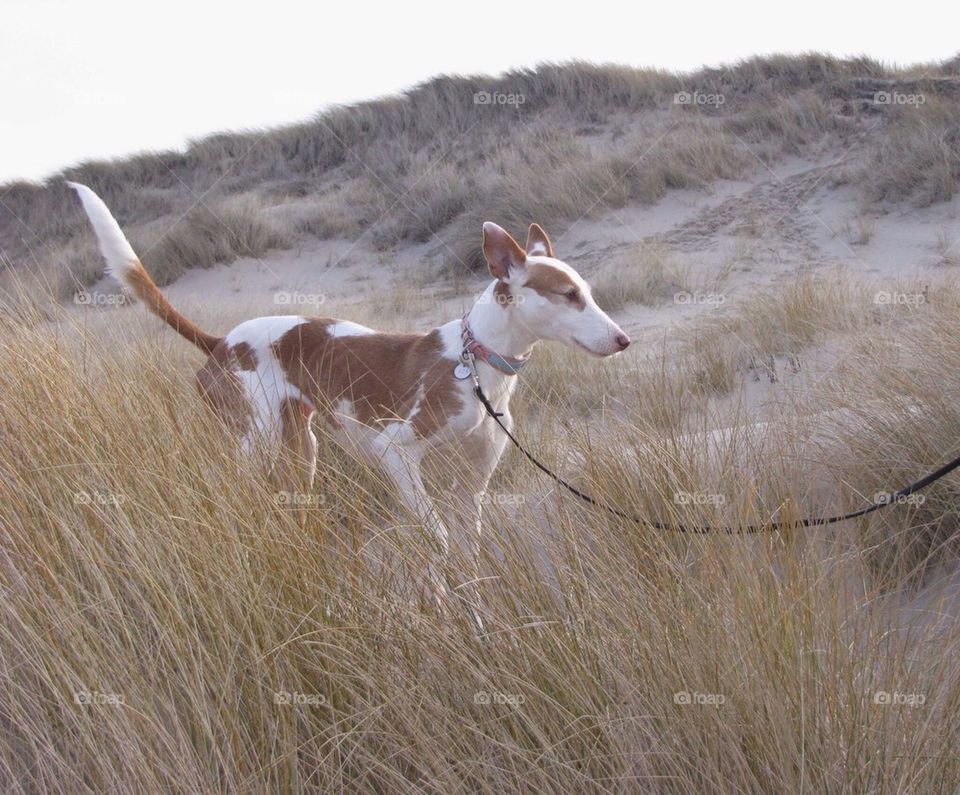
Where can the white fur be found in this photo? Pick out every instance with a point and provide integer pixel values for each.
(262, 332)
(347, 328)
(114, 246)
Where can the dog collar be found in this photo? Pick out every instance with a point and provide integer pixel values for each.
(508, 365)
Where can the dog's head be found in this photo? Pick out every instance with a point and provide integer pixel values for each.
(546, 295)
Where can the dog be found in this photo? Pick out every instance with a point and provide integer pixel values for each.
(392, 397)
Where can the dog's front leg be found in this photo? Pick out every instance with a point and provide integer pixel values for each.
(481, 452)
(401, 463)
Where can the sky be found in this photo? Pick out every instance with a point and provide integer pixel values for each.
(101, 79)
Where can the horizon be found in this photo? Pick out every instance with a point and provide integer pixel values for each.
(160, 103)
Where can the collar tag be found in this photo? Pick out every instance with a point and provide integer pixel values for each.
(472, 350)
(461, 372)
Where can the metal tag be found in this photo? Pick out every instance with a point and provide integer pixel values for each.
(461, 372)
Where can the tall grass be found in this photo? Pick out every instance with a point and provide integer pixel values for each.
(642, 273)
(168, 624)
(919, 157)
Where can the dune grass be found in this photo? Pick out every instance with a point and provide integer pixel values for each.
(209, 234)
(918, 160)
(169, 624)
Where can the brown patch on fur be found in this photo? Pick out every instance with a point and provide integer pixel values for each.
(139, 281)
(219, 386)
(381, 375)
(502, 294)
(537, 239)
(245, 356)
(552, 283)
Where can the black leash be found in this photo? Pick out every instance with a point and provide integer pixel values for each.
(906, 491)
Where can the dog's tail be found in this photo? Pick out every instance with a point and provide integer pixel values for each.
(124, 265)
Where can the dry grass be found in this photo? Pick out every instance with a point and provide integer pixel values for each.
(794, 122)
(919, 157)
(652, 275)
(946, 248)
(781, 321)
(558, 180)
(858, 231)
(643, 273)
(210, 233)
(144, 563)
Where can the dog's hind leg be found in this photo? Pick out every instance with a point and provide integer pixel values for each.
(296, 464)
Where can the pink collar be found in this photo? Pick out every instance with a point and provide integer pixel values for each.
(508, 365)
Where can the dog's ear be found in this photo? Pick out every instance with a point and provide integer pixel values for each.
(502, 252)
(538, 244)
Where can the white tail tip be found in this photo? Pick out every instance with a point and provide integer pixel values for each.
(114, 246)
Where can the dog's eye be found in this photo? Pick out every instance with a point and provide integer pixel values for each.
(571, 294)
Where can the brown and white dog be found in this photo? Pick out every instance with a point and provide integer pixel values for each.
(392, 397)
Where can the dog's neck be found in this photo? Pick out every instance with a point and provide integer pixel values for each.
(496, 325)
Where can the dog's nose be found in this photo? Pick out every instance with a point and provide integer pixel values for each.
(622, 341)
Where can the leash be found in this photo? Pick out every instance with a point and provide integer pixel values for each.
(772, 527)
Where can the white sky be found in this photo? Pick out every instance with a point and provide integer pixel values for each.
(100, 78)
